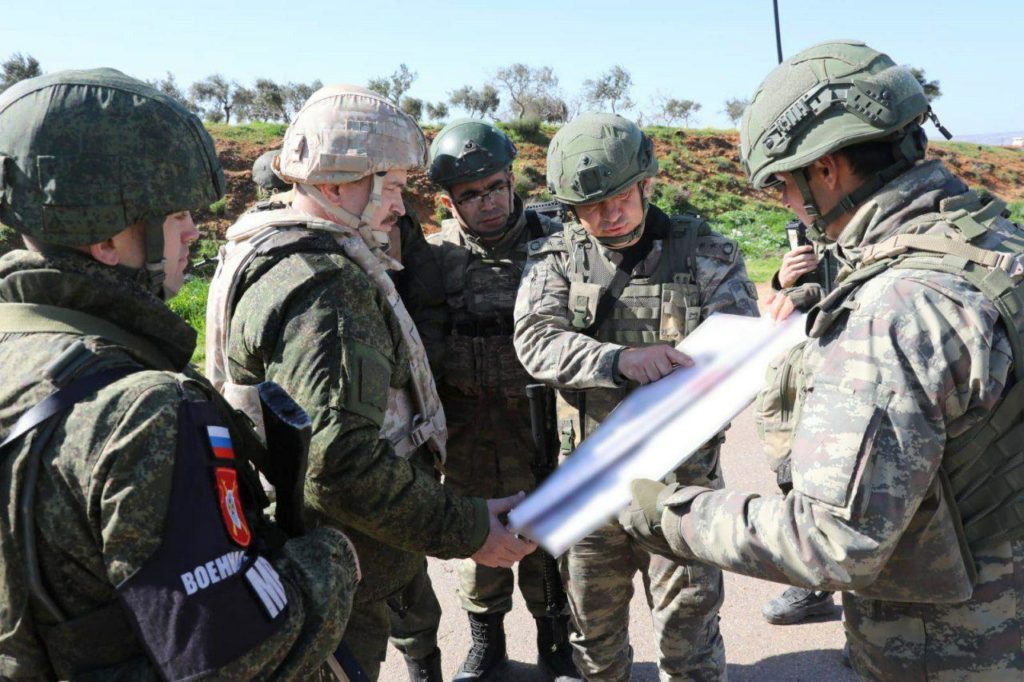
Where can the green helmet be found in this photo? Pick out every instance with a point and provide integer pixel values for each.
(828, 97)
(596, 156)
(263, 173)
(469, 149)
(85, 154)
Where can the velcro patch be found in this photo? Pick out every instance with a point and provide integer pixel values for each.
(231, 506)
(220, 442)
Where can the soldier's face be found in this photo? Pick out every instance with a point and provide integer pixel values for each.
(482, 206)
(617, 215)
(179, 233)
(354, 197)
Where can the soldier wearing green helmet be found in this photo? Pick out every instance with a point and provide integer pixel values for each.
(908, 494)
(267, 181)
(482, 252)
(598, 312)
(127, 485)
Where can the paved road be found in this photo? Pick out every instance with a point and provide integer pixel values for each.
(754, 649)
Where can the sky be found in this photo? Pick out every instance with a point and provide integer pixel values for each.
(703, 51)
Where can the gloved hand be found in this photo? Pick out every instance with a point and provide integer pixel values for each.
(642, 518)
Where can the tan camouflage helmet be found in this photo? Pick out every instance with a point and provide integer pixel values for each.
(344, 133)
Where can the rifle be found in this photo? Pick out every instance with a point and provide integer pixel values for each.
(544, 428)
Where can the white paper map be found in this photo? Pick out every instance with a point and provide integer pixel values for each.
(656, 428)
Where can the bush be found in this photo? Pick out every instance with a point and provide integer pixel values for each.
(219, 207)
(525, 130)
(1017, 212)
(760, 230)
(190, 305)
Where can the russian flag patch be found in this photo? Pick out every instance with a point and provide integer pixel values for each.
(220, 442)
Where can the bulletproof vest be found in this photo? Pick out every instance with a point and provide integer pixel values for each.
(663, 307)
(414, 415)
(481, 294)
(981, 469)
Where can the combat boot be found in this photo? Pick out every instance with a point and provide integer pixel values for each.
(426, 669)
(554, 653)
(797, 604)
(487, 656)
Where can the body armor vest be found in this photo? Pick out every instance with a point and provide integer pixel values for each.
(981, 469)
(414, 415)
(481, 293)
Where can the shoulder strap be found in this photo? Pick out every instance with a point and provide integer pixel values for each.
(533, 225)
(34, 318)
(620, 279)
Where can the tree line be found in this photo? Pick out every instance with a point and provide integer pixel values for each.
(527, 92)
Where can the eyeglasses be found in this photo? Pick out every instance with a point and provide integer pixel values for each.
(474, 201)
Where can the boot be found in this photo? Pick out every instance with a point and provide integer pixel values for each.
(487, 656)
(426, 669)
(554, 653)
(797, 604)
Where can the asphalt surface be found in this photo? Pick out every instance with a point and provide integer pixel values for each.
(755, 650)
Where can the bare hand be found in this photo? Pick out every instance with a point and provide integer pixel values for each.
(502, 549)
(796, 264)
(644, 365)
(780, 306)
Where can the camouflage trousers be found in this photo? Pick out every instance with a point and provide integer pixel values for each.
(411, 618)
(982, 638)
(684, 598)
(489, 455)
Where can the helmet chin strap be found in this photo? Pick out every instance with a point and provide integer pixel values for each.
(377, 240)
(152, 274)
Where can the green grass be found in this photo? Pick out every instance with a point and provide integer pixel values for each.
(761, 269)
(257, 132)
(190, 305)
(1017, 212)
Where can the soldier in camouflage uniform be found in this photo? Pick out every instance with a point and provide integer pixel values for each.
(267, 182)
(482, 252)
(122, 505)
(303, 296)
(907, 484)
(598, 311)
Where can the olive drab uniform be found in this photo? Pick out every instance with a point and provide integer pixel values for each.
(689, 273)
(482, 385)
(906, 443)
(306, 301)
(135, 513)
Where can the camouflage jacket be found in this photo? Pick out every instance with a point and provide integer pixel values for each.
(312, 320)
(102, 497)
(555, 352)
(917, 358)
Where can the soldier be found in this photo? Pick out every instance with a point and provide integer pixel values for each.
(302, 296)
(482, 251)
(598, 311)
(907, 488)
(131, 539)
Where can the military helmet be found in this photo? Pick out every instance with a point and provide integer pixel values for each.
(827, 97)
(85, 154)
(263, 173)
(344, 133)
(596, 156)
(469, 149)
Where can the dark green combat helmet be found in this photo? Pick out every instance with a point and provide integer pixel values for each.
(469, 149)
(828, 97)
(85, 154)
(264, 176)
(596, 156)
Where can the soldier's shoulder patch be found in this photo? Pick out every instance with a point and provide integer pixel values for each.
(714, 245)
(551, 244)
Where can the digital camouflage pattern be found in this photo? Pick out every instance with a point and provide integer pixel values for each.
(104, 487)
(599, 569)
(312, 320)
(483, 388)
(916, 358)
(62, 196)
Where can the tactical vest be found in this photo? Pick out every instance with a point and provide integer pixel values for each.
(981, 469)
(663, 307)
(481, 295)
(414, 415)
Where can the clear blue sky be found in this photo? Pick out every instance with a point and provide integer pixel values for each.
(705, 51)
